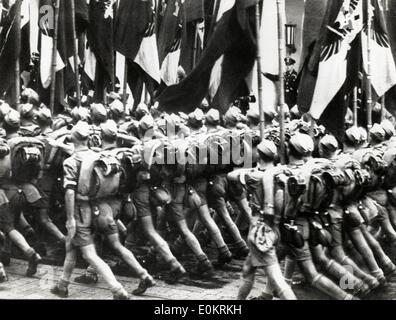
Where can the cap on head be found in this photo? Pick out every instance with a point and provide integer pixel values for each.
(98, 112)
(213, 116)
(12, 119)
(44, 114)
(30, 96)
(117, 108)
(329, 143)
(232, 115)
(114, 96)
(142, 110)
(4, 109)
(355, 135)
(195, 118)
(80, 114)
(27, 111)
(268, 148)
(387, 126)
(109, 129)
(302, 143)
(377, 133)
(146, 123)
(80, 131)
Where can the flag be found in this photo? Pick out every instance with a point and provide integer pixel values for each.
(9, 49)
(269, 59)
(135, 38)
(383, 70)
(390, 14)
(46, 26)
(234, 39)
(100, 33)
(170, 37)
(344, 23)
(194, 10)
(194, 34)
(314, 14)
(331, 67)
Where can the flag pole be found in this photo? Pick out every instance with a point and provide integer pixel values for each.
(75, 53)
(195, 48)
(259, 72)
(125, 84)
(355, 106)
(282, 55)
(54, 56)
(383, 109)
(369, 94)
(18, 52)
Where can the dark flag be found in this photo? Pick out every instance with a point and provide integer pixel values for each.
(9, 48)
(193, 38)
(234, 39)
(170, 36)
(135, 38)
(100, 39)
(195, 10)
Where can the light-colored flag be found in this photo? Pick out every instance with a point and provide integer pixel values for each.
(47, 44)
(333, 63)
(383, 70)
(90, 62)
(269, 57)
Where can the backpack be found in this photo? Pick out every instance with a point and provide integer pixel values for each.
(54, 156)
(5, 159)
(100, 176)
(27, 156)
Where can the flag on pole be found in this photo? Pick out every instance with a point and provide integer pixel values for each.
(344, 25)
(135, 38)
(269, 59)
(331, 59)
(100, 33)
(46, 26)
(171, 31)
(8, 53)
(234, 39)
(383, 70)
(191, 49)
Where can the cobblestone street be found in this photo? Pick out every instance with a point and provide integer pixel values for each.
(222, 286)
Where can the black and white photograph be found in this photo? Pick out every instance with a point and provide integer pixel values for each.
(222, 152)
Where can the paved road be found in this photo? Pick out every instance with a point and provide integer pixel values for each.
(223, 286)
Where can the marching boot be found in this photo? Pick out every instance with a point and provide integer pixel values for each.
(5, 258)
(120, 294)
(241, 251)
(144, 284)
(175, 275)
(87, 278)
(337, 271)
(224, 257)
(61, 289)
(330, 288)
(371, 281)
(204, 266)
(34, 260)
